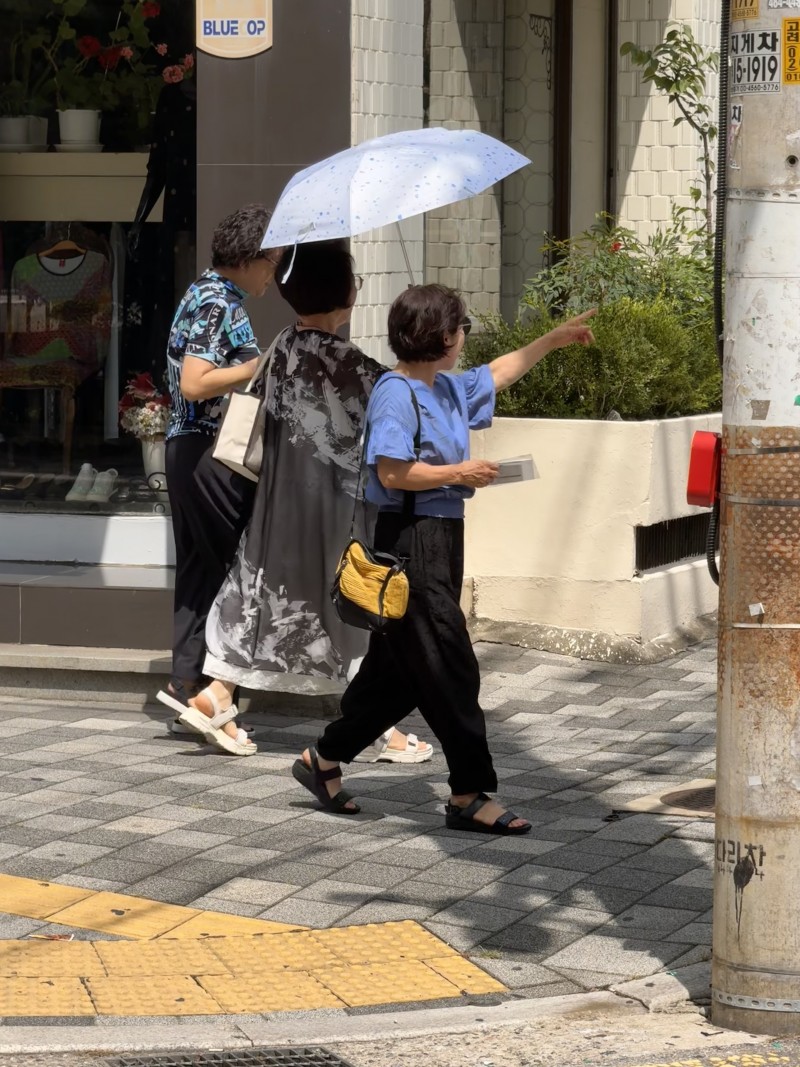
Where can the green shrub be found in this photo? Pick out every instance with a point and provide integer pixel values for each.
(646, 363)
(655, 353)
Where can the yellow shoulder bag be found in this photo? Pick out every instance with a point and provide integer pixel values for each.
(370, 589)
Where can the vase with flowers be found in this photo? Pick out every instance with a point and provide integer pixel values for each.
(144, 412)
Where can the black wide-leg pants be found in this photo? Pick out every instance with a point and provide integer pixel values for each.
(424, 661)
(211, 507)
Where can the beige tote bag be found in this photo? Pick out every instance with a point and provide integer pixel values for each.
(240, 438)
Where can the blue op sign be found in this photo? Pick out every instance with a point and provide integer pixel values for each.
(234, 29)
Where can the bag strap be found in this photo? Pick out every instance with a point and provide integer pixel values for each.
(409, 496)
(264, 360)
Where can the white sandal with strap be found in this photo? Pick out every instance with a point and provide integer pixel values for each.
(416, 751)
(210, 726)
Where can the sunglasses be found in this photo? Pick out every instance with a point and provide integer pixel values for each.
(466, 326)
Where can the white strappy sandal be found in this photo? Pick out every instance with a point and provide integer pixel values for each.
(416, 751)
(210, 726)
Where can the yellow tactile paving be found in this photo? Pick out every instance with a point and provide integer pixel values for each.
(268, 955)
(384, 943)
(37, 900)
(300, 992)
(89, 909)
(130, 959)
(181, 961)
(53, 959)
(133, 917)
(44, 996)
(153, 996)
(386, 983)
(218, 924)
(465, 975)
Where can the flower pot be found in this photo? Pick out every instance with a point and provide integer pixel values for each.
(154, 462)
(14, 130)
(79, 126)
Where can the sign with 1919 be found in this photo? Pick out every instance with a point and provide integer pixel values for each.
(755, 62)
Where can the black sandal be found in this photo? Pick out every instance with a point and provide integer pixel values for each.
(457, 818)
(313, 778)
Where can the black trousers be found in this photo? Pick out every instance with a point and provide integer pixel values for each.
(211, 507)
(425, 661)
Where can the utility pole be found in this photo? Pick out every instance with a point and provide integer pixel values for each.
(756, 969)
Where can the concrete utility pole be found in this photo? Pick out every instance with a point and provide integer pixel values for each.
(756, 970)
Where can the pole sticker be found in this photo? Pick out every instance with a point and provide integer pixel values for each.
(234, 29)
(743, 862)
(791, 51)
(744, 9)
(756, 62)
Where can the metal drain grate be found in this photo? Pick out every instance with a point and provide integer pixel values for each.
(251, 1057)
(699, 800)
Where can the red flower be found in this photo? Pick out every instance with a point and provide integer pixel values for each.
(88, 46)
(126, 403)
(616, 246)
(109, 59)
(172, 75)
(150, 9)
(142, 387)
(188, 61)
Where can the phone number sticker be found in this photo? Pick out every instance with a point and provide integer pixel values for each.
(744, 9)
(755, 62)
(791, 51)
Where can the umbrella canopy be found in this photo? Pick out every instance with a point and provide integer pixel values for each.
(386, 180)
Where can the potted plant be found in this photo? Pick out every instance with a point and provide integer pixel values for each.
(144, 412)
(22, 94)
(95, 74)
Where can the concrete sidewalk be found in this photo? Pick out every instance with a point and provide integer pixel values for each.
(106, 800)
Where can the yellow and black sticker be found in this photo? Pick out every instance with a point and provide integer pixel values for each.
(744, 9)
(791, 51)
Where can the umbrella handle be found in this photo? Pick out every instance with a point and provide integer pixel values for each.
(405, 255)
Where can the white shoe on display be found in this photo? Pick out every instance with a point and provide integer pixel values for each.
(104, 487)
(83, 484)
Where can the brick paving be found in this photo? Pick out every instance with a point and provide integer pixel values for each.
(106, 799)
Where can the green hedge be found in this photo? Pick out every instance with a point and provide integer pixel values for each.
(655, 353)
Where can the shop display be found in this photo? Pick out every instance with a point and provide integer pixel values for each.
(86, 307)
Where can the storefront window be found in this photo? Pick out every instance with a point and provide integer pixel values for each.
(97, 245)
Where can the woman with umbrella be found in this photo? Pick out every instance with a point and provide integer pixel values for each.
(272, 625)
(425, 659)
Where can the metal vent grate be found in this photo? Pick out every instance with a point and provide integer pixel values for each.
(251, 1057)
(671, 541)
(700, 800)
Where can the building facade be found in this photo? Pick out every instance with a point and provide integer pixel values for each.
(543, 75)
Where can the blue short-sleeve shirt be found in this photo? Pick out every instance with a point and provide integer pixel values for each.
(454, 405)
(211, 323)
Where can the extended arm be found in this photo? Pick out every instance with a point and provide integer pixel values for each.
(201, 380)
(417, 477)
(514, 365)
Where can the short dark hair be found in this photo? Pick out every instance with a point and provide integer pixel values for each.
(419, 319)
(321, 278)
(237, 239)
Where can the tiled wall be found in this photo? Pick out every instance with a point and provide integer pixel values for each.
(656, 160)
(466, 92)
(387, 77)
(528, 194)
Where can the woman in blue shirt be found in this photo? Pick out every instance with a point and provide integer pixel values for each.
(426, 660)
